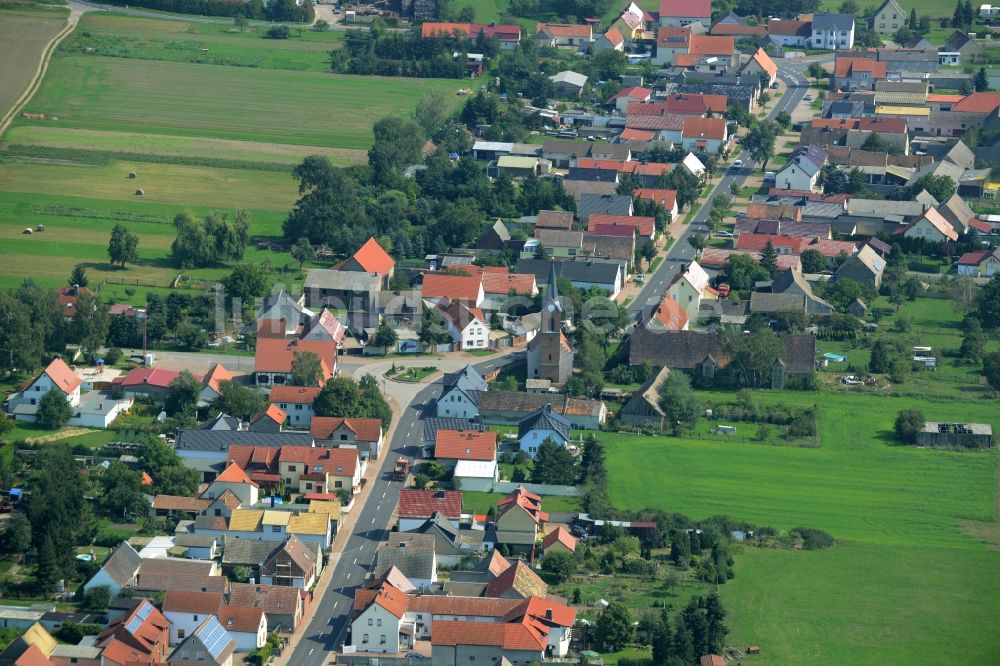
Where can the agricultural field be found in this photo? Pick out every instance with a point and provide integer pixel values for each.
(24, 34)
(119, 36)
(917, 529)
(933, 8)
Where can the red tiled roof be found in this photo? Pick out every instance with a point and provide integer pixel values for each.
(672, 37)
(528, 501)
(978, 102)
(32, 656)
(635, 92)
(686, 8)
(423, 503)
(456, 287)
(504, 283)
(848, 66)
(559, 535)
(644, 226)
(539, 608)
(466, 444)
(887, 125)
(157, 377)
(617, 230)
(503, 32)
(337, 462)
(277, 354)
(668, 122)
(507, 636)
(68, 297)
(757, 242)
(305, 395)
(180, 503)
(684, 59)
(944, 99)
(704, 128)
(61, 375)
(244, 455)
(565, 30)
(215, 376)
(666, 198)
(831, 248)
(834, 123)
(592, 163)
(636, 135)
(614, 36)
(365, 430)
(272, 412)
(208, 603)
(670, 313)
(373, 258)
(702, 45)
(245, 620)
(737, 29)
(980, 226)
(234, 474)
(765, 62)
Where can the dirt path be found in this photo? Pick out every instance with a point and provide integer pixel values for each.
(62, 434)
(75, 11)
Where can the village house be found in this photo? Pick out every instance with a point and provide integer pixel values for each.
(689, 287)
(283, 606)
(187, 610)
(643, 409)
(509, 407)
(453, 446)
(293, 564)
(337, 431)
(802, 170)
(784, 32)
(466, 326)
(296, 402)
(118, 571)
(980, 263)
(559, 540)
(564, 35)
(541, 425)
(832, 31)
(568, 84)
(140, 637)
(460, 394)
(416, 507)
(58, 376)
(705, 134)
(275, 353)
(889, 18)
(761, 66)
(467, 289)
(412, 555)
(519, 519)
(856, 73)
(932, 227)
(680, 13)
(612, 40)
(211, 384)
(209, 644)
(865, 267)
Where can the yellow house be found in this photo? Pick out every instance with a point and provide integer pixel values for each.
(519, 519)
(889, 18)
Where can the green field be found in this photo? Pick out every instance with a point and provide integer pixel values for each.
(932, 8)
(912, 576)
(481, 502)
(24, 34)
(271, 106)
(121, 36)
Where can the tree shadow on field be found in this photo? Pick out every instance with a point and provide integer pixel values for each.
(888, 437)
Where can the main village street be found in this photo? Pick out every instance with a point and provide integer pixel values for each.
(796, 86)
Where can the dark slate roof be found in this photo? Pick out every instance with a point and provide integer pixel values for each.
(844, 108)
(732, 91)
(221, 422)
(216, 440)
(823, 21)
(544, 419)
(122, 564)
(589, 271)
(593, 175)
(687, 349)
(467, 379)
(412, 554)
(246, 551)
(445, 532)
(433, 424)
(603, 204)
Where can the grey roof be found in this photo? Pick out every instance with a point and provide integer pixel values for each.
(822, 209)
(223, 422)
(577, 148)
(949, 169)
(413, 554)
(468, 378)
(884, 85)
(450, 538)
(957, 212)
(603, 204)
(324, 278)
(282, 306)
(570, 77)
(926, 198)
(552, 302)
(216, 440)
(544, 419)
(766, 303)
(559, 238)
(823, 21)
(883, 207)
(685, 350)
(500, 229)
(593, 175)
(246, 551)
(434, 423)
(194, 541)
(868, 258)
(67, 652)
(209, 638)
(589, 271)
(844, 108)
(123, 564)
(733, 92)
(961, 155)
(809, 158)
(610, 151)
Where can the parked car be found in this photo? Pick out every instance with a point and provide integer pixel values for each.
(723, 234)
(738, 164)
(640, 278)
(808, 97)
(770, 177)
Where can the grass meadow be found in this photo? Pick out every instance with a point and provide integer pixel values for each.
(24, 34)
(912, 576)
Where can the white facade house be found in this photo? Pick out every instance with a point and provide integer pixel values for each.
(476, 475)
(541, 425)
(99, 409)
(247, 626)
(236, 480)
(23, 406)
(457, 403)
(832, 31)
(688, 288)
(802, 171)
(474, 334)
(376, 629)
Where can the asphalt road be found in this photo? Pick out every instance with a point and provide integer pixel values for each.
(328, 627)
(681, 252)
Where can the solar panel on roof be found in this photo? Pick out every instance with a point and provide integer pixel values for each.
(214, 637)
(144, 611)
(133, 625)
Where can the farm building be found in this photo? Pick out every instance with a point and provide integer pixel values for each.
(643, 409)
(970, 435)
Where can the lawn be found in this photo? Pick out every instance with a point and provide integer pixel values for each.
(932, 8)
(271, 106)
(905, 585)
(120, 36)
(24, 34)
(481, 502)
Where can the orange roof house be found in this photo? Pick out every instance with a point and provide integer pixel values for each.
(978, 102)
(370, 258)
(711, 45)
(467, 288)
(274, 356)
(559, 540)
(665, 198)
(453, 445)
(761, 62)
(61, 376)
(704, 128)
(644, 226)
(668, 315)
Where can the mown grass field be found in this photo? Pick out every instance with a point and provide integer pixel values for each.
(121, 36)
(481, 502)
(908, 580)
(183, 99)
(932, 8)
(24, 34)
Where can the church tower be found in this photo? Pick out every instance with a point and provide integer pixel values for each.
(549, 353)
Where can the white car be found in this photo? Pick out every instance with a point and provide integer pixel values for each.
(808, 97)
(723, 234)
(738, 164)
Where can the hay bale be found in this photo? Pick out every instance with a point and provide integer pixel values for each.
(139, 193)
(131, 174)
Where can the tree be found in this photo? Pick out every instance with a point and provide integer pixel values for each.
(991, 369)
(988, 304)
(939, 187)
(54, 409)
(560, 566)
(816, 71)
(384, 337)
(182, 394)
(397, 143)
(909, 422)
(813, 261)
(883, 353)
(678, 400)
(47, 569)
(554, 464)
(982, 82)
(759, 142)
(783, 120)
(123, 498)
(123, 246)
(90, 324)
(238, 400)
(246, 283)
(614, 629)
(241, 573)
(307, 369)
(876, 144)
(742, 271)
(303, 251)
(191, 246)
(340, 396)
(431, 111)
(752, 356)
(190, 336)
(78, 278)
(17, 535)
(433, 330)
(769, 258)
(913, 19)
(608, 64)
(20, 344)
(973, 341)
(59, 514)
(170, 475)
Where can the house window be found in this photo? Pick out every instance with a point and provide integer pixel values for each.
(195, 618)
(291, 468)
(298, 407)
(382, 639)
(364, 639)
(379, 623)
(370, 622)
(288, 481)
(338, 484)
(343, 438)
(181, 633)
(309, 486)
(218, 512)
(274, 528)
